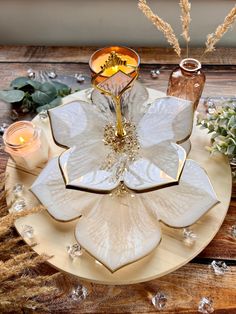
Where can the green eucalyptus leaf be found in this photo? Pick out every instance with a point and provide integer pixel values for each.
(19, 82)
(46, 93)
(12, 96)
(35, 84)
(62, 89)
(56, 102)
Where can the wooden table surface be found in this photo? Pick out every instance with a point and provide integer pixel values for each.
(186, 286)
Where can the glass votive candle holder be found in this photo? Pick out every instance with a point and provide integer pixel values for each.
(26, 144)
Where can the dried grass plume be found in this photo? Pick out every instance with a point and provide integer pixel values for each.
(161, 25)
(213, 38)
(185, 18)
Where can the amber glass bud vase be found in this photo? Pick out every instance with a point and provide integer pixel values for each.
(187, 81)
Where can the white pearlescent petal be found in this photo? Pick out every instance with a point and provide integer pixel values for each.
(61, 203)
(183, 204)
(118, 231)
(82, 168)
(76, 123)
(168, 118)
(169, 157)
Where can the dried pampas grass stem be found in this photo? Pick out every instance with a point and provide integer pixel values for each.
(213, 38)
(161, 25)
(185, 19)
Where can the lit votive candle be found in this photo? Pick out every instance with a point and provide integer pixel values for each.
(26, 144)
(99, 58)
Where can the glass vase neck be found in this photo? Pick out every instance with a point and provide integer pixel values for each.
(190, 65)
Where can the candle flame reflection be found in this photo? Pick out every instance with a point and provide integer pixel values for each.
(22, 140)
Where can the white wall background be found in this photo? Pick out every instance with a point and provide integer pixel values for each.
(104, 22)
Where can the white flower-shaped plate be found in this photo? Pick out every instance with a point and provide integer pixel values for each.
(53, 236)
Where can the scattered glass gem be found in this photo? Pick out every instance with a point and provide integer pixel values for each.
(3, 127)
(43, 115)
(189, 237)
(211, 106)
(19, 205)
(14, 115)
(205, 306)
(79, 294)
(31, 73)
(155, 73)
(74, 250)
(52, 74)
(233, 231)
(79, 78)
(18, 189)
(159, 300)
(219, 267)
(27, 232)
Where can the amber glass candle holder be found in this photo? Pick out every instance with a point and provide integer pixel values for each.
(187, 81)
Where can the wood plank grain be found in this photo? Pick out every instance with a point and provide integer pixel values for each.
(184, 288)
(219, 81)
(149, 55)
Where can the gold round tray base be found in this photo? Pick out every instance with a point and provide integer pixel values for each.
(53, 237)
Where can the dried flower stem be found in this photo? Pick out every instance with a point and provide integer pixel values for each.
(185, 18)
(213, 38)
(161, 25)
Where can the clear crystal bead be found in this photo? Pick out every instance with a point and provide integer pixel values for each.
(155, 73)
(233, 231)
(74, 250)
(205, 306)
(159, 300)
(79, 78)
(79, 293)
(219, 267)
(43, 115)
(27, 232)
(52, 74)
(19, 205)
(31, 73)
(18, 189)
(189, 237)
(3, 127)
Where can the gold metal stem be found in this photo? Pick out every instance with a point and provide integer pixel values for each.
(120, 131)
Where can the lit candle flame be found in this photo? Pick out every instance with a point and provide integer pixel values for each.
(22, 140)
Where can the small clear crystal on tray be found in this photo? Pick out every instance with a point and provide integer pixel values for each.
(19, 205)
(74, 250)
(79, 78)
(43, 115)
(52, 74)
(3, 127)
(79, 293)
(189, 237)
(155, 73)
(27, 232)
(205, 306)
(18, 189)
(219, 267)
(233, 231)
(159, 300)
(31, 73)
